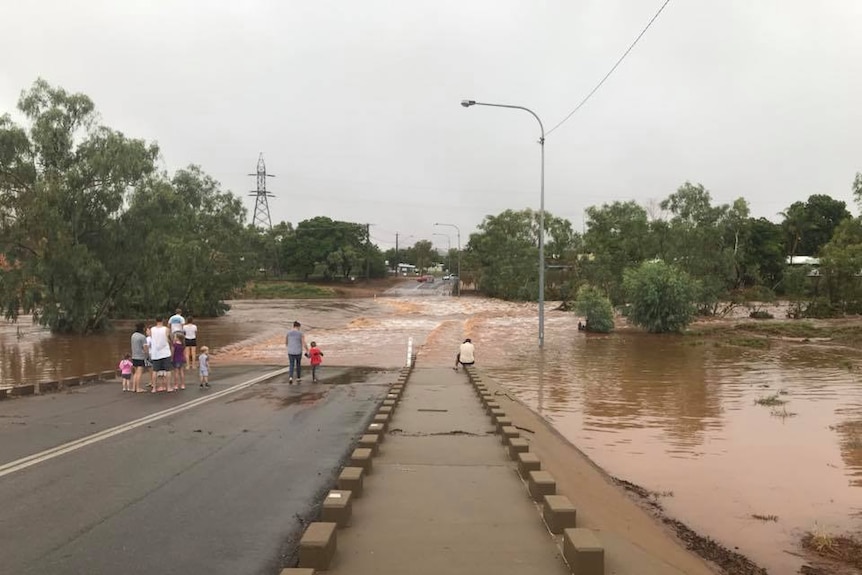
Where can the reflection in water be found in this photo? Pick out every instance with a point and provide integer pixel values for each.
(669, 413)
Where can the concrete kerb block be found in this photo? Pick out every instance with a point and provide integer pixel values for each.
(559, 513)
(89, 377)
(350, 479)
(296, 571)
(501, 423)
(497, 413)
(583, 552)
(516, 446)
(70, 381)
(508, 433)
(541, 483)
(362, 457)
(317, 546)
(337, 508)
(370, 441)
(382, 420)
(378, 429)
(47, 386)
(491, 406)
(385, 410)
(108, 375)
(19, 390)
(528, 462)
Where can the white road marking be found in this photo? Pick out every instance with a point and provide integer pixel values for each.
(25, 462)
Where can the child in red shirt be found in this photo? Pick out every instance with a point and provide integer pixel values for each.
(316, 357)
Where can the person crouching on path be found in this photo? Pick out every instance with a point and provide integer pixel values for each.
(466, 354)
(316, 358)
(295, 342)
(204, 366)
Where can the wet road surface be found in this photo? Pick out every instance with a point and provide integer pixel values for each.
(223, 487)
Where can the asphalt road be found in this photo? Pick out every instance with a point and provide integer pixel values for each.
(221, 488)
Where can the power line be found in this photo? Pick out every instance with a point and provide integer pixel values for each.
(623, 57)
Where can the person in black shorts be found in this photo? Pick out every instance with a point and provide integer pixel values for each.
(190, 332)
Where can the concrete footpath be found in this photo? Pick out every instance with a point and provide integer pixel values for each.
(443, 497)
(442, 482)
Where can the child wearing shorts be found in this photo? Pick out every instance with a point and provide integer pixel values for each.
(204, 366)
(125, 368)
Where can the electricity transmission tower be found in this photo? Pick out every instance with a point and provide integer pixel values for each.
(261, 203)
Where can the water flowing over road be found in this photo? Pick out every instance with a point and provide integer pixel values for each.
(676, 416)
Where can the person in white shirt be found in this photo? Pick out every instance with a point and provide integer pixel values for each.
(176, 322)
(160, 354)
(466, 354)
(190, 333)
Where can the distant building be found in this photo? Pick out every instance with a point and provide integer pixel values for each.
(802, 261)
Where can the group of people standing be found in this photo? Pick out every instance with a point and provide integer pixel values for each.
(164, 350)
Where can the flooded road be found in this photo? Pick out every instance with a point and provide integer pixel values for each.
(675, 415)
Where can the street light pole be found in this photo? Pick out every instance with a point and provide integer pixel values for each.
(467, 104)
(457, 229)
(448, 250)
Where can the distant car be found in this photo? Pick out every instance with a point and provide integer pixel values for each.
(447, 278)
(429, 279)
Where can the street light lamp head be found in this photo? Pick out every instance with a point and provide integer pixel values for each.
(468, 103)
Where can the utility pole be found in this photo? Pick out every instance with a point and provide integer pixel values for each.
(367, 252)
(397, 270)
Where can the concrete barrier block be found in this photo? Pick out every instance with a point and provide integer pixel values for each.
(392, 397)
(70, 381)
(583, 552)
(378, 429)
(383, 420)
(47, 386)
(89, 377)
(491, 406)
(508, 433)
(370, 441)
(501, 423)
(541, 483)
(317, 546)
(338, 508)
(495, 413)
(528, 462)
(363, 458)
(517, 445)
(26, 389)
(350, 479)
(296, 571)
(559, 513)
(108, 375)
(385, 410)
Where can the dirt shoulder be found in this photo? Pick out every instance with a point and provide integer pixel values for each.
(631, 526)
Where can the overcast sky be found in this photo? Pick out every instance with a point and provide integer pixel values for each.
(355, 104)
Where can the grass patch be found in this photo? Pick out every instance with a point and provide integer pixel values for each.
(841, 548)
(752, 342)
(770, 400)
(795, 329)
(782, 413)
(285, 290)
(759, 517)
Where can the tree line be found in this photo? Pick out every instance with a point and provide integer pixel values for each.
(91, 229)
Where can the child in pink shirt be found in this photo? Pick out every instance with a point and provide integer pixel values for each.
(125, 368)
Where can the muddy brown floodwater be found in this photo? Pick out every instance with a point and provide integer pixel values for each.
(672, 414)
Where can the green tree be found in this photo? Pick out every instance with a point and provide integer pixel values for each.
(593, 305)
(808, 226)
(841, 266)
(617, 237)
(662, 297)
(502, 257)
(63, 184)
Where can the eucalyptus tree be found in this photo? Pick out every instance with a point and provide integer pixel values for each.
(64, 180)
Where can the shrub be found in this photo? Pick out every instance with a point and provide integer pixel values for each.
(596, 308)
(662, 296)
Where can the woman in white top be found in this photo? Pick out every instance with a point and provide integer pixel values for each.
(190, 332)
